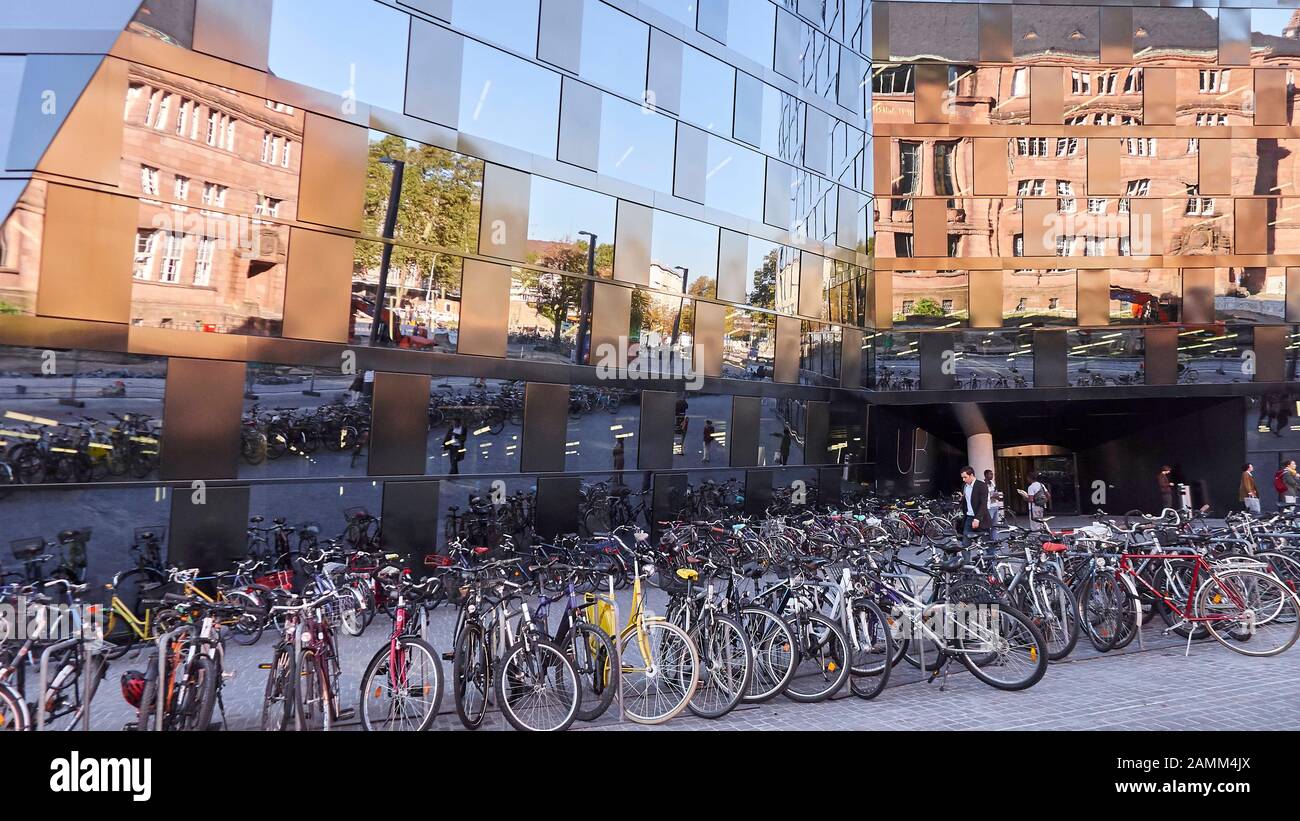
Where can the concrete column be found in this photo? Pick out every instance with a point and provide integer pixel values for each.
(979, 452)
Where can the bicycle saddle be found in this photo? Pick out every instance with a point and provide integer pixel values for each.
(66, 536)
(1053, 547)
(687, 574)
(257, 520)
(953, 563)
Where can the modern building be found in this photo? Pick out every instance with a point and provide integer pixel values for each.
(552, 221)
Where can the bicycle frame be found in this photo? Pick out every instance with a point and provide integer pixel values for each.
(1200, 565)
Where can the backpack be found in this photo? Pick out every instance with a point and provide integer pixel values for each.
(1043, 498)
(1279, 484)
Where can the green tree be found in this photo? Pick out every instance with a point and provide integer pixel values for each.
(925, 306)
(764, 293)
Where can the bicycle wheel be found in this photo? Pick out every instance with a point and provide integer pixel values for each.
(12, 716)
(278, 700)
(250, 625)
(314, 702)
(1053, 610)
(202, 694)
(470, 673)
(871, 646)
(1249, 612)
(146, 712)
(775, 653)
(351, 616)
(402, 687)
(591, 650)
(537, 687)
(1101, 603)
(1002, 648)
(726, 664)
(661, 669)
(1284, 566)
(823, 658)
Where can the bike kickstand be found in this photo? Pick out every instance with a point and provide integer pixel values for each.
(943, 687)
(1188, 650)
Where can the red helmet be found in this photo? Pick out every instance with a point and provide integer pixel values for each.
(133, 687)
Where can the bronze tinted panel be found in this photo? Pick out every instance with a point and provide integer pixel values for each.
(1270, 353)
(1270, 96)
(318, 292)
(503, 227)
(990, 166)
(410, 516)
(995, 33)
(632, 243)
(611, 311)
(930, 228)
(86, 246)
(234, 30)
(880, 32)
(484, 309)
(1159, 96)
(881, 301)
(546, 416)
(816, 433)
(1051, 363)
(986, 298)
(1103, 166)
(1094, 297)
(1251, 226)
(399, 429)
(655, 451)
(209, 536)
(1046, 95)
(742, 433)
(202, 408)
(708, 338)
(733, 255)
(1116, 34)
(786, 368)
(851, 358)
(1234, 37)
(1161, 356)
(1215, 167)
(1293, 294)
(931, 83)
(1039, 227)
(811, 283)
(88, 145)
(1198, 295)
(882, 162)
(333, 185)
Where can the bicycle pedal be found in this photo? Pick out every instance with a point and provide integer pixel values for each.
(347, 713)
(227, 675)
(448, 656)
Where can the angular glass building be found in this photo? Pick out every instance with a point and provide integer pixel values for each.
(459, 264)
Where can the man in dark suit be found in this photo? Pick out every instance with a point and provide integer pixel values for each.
(974, 506)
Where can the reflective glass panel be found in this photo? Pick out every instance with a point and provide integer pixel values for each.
(353, 48)
(511, 23)
(557, 213)
(748, 345)
(475, 425)
(735, 179)
(751, 29)
(681, 247)
(302, 421)
(636, 145)
(544, 311)
(614, 49)
(421, 308)
(602, 431)
(1100, 358)
(701, 435)
(708, 91)
(931, 299)
(500, 93)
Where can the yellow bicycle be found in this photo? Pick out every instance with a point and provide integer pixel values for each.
(660, 663)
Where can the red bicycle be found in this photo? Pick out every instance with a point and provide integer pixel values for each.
(1244, 608)
(402, 686)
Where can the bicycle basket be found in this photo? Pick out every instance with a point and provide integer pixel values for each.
(25, 550)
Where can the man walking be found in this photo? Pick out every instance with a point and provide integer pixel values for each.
(975, 506)
(1248, 493)
(1292, 481)
(709, 431)
(1038, 498)
(1166, 485)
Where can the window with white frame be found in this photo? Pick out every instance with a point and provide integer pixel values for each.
(214, 127)
(1137, 188)
(1214, 80)
(1064, 245)
(203, 257)
(1198, 206)
(230, 133)
(149, 179)
(214, 195)
(284, 153)
(173, 251)
(1065, 196)
(1094, 246)
(1125, 247)
(1031, 146)
(1031, 188)
(1193, 145)
(268, 147)
(1141, 146)
(1133, 82)
(1018, 245)
(1067, 146)
(133, 93)
(1108, 82)
(267, 206)
(164, 109)
(1019, 81)
(146, 245)
(1080, 82)
(1097, 205)
(182, 188)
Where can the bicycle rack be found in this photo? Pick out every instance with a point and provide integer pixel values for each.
(45, 677)
(160, 692)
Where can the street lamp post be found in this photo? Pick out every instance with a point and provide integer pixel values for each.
(584, 312)
(390, 226)
(677, 322)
